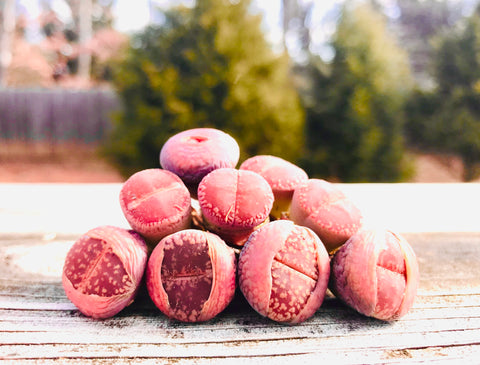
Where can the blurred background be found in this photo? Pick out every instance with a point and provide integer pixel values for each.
(351, 91)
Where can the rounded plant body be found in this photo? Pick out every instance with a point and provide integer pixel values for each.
(103, 270)
(234, 203)
(283, 271)
(194, 153)
(283, 176)
(376, 273)
(155, 203)
(191, 275)
(323, 207)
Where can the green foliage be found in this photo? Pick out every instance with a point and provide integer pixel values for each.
(446, 123)
(448, 118)
(457, 63)
(207, 66)
(354, 123)
(419, 22)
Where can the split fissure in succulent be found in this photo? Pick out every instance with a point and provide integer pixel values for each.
(135, 203)
(191, 275)
(294, 236)
(370, 274)
(188, 287)
(296, 269)
(103, 270)
(91, 256)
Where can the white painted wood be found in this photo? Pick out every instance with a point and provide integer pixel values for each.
(71, 209)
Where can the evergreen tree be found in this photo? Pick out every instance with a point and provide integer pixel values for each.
(447, 119)
(354, 124)
(206, 66)
(418, 23)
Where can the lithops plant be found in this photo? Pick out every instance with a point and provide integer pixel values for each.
(155, 203)
(323, 207)
(103, 270)
(283, 271)
(283, 176)
(194, 153)
(191, 275)
(376, 273)
(234, 203)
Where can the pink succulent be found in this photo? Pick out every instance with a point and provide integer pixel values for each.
(283, 177)
(321, 206)
(103, 270)
(191, 275)
(194, 153)
(283, 271)
(234, 203)
(155, 203)
(376, 273)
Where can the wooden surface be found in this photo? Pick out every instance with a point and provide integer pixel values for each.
(39, 325)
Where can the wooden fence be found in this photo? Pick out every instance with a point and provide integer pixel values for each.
(56, 115)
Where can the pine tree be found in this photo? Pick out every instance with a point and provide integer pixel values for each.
(447, 118)
(208, 66)
(354, 124)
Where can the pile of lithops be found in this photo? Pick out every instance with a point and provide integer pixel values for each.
(200, 227)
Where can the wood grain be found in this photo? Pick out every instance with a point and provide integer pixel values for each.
(39, 325)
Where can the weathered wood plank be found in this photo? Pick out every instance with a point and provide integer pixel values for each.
(333, 329)
(443, 355)
(143, 320)
(341, 321)
(333, 346)
(39, 325)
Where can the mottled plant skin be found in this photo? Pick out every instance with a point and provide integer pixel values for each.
(103, 270)
(191, 275)
(156, 203)
(194, 153)
(376, 273)
(283, 176)
(234, 203)
(283, 271)
(323, 207)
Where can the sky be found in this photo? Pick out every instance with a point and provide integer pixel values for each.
(129, 19)
(134, 15)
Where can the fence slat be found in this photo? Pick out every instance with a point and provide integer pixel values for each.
(56, 115)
